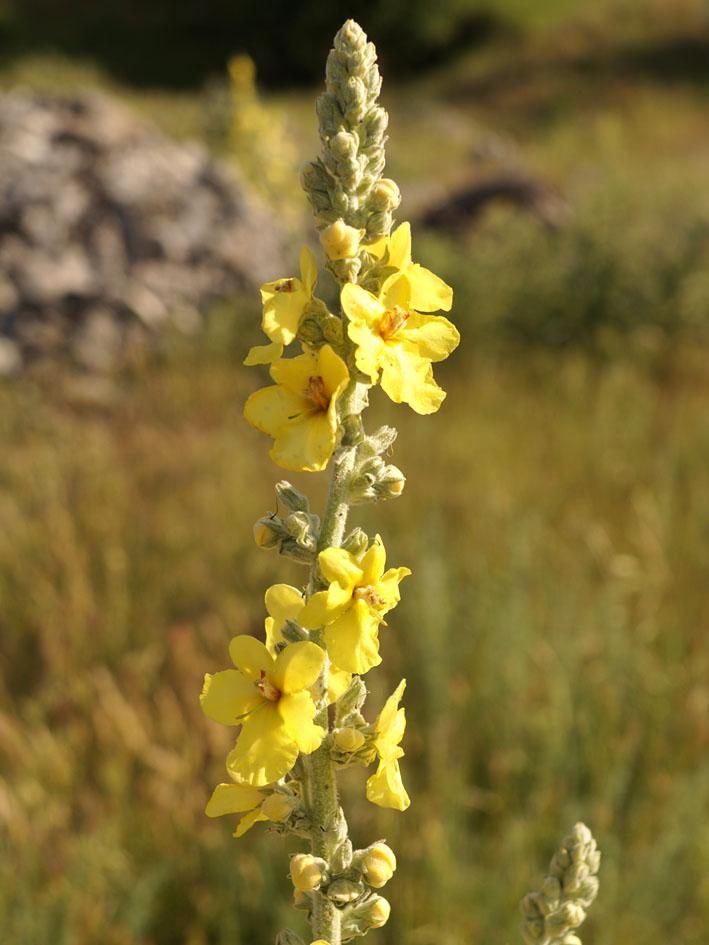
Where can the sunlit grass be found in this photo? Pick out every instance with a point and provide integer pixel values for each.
(555, 521)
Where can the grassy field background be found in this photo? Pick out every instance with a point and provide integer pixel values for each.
(556, 520)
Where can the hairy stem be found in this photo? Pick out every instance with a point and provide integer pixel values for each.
(329, 828)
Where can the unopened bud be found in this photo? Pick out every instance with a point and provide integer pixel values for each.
(301, 900)
(343, 145)
(385, 195)
(293, 500)
(265, 534)
(379, 865)
(569, 916)
(532, 930)
(348, 739)
(306, 871)
(343, 891)
(277, 807)
(340, 241)
(378, 912)
(356, 542)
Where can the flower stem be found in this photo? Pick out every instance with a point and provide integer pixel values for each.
(329, 828)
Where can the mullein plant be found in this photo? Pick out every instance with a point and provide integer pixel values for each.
(298, 699)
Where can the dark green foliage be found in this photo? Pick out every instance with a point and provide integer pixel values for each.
(180, 42)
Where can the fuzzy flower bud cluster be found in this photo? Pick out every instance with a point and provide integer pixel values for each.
(551, 915)
(352, 203)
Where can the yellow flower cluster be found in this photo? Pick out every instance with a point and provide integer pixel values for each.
(389, 337)
(393, 340)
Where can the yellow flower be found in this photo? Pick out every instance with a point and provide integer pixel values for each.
(284, 602)
(386, 788)
(379, 864)
(300, 410)
(239, 797)
(353, 606)
(396, 339)
(340, 241)
(285, 301)
(268, 697)
(429, 293)
(305, 871)
(379, 912)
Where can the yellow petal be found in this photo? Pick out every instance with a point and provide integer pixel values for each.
(227, 696)
(429, 293)
(270, 408)
(396, 292)
(378, 247)
(325, 606)
(305, 443)
(263, 354)
(308, 270)
(250, 656)
(265, 750)
(297, 667)
(233, 799)
(284, 602)
(297, 711)
(386, 788)
(388, 586)
(294, 373)
(247, 822)
(338, 681)
(339, 565)
(352, 641)
(407, 379)
(373, 562)
(361, 306)
(434, 336)
(369, 350)
(400, 246)
(284, 303)
(273, 635)
(333, 371)
(387, 719)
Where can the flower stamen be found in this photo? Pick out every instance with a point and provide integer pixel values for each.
(392, 321)
(370, 595)
(285, 285)
(267, 689)
(317, 393)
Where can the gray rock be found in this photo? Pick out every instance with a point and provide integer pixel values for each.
(109, 232)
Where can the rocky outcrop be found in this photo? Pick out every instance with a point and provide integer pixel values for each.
(109, 232)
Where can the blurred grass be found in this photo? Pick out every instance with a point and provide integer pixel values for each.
(556, 519)
(553, 638)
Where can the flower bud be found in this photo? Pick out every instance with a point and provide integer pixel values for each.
(385, 195)
(301, 900)
(277, 807)
(343, 891)
(348, 739)
(340, 241)
(265, 534)
(294, 500)
(306, 871)
(356, 542)
(568, 916)
(378, 912)
(343, 145)
(379, 865)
